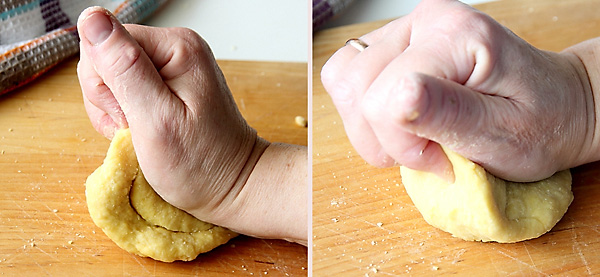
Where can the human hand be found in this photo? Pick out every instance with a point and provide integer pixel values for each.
(448, 74)
(192, 143)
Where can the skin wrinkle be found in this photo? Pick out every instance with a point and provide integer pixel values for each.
(590, 103)
(483, 63)
(141, 36)
(564, 128)
(257, 151)
(525, 130)
(103, 99)
(217, 203)
(347, 87)
(507, 120)
(425, 111)
(163, 71)
(179, 59)
(524, 139)
(542, 110)
(590, 110)
(593, 86)
(205, 150)
(125, 61)
(155, 58)
(237, 209)
(429, 112)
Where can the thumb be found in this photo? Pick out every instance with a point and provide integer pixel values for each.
(425, 109)
(123, 65)
(440, 110)
(477, 125)
(453, 115)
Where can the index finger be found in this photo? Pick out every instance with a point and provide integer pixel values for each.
(347, 76)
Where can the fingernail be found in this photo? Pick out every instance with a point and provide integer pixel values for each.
(97, 27)
(412, 115)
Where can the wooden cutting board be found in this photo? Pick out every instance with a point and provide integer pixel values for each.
(364, 224)
(48, 148)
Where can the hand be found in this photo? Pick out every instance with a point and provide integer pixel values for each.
(193, 145)
(448, 74)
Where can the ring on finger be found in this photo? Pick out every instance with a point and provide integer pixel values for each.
(357, 44)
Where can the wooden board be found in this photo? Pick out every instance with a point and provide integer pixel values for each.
(48, 148)
(364, 224)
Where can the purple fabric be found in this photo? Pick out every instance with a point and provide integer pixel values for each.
(322, 12)
(325, 10)
(53, 16)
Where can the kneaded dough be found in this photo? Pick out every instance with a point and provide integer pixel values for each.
(480, 207)
(123, 204)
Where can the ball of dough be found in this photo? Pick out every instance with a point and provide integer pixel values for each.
(123, 204)
(480, 207)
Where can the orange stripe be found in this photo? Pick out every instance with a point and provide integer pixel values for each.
(121, 6)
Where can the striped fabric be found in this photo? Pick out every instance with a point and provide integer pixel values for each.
(38, 34)
(324, 10)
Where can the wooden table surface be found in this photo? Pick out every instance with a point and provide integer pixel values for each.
(364, 224)
(48, 148)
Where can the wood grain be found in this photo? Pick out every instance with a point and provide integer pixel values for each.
(48, 148)
(364, 224)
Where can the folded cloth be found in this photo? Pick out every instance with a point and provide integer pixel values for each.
(38, 34)
(325, 10)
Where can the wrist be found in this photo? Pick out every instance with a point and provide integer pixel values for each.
(221, 189)
(258, 149)
(273, 202)
(586, 65)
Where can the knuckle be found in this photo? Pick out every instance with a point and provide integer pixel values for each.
(343, 91)
(189, 41)
(331, 73)
(190, 50)
(123, 61)
(328, 75)
(101, 97)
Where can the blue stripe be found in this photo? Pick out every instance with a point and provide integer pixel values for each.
(150, 7)
(20, 9)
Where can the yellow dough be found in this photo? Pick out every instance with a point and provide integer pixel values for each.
(123, 204)
(481, 207)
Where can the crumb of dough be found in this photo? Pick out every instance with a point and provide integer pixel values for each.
(481, 207)
(148, 227)
(301, 121)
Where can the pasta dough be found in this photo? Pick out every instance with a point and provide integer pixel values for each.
(481, 207)
(146, 225)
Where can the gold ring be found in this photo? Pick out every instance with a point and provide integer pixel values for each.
(357, 43)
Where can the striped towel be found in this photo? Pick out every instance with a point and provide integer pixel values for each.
(325, 10)
(38, 34)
